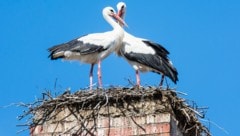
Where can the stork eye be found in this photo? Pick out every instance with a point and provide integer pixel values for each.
(111, 10)
(122, 7)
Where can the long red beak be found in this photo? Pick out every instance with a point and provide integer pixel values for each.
(120, 20)
(120, 13)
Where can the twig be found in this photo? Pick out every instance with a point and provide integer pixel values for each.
(106, 98)
(215, 124)
(137, 124)
(196, 112)
(130, 82)
(182, 93)
(6, 106)
(22, 130)
(186, 115)
(55, 84)
(47, 94)
(190, 128)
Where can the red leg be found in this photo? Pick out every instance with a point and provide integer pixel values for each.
(99, 74)
(138, 78)
(91, 76)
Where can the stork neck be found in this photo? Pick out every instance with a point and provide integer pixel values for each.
(112, 22)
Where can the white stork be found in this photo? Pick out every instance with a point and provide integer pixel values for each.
(145, 55)
(92, 48)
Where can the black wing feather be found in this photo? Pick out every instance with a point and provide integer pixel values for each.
(160, 50)
(75, 46)
(159, 63)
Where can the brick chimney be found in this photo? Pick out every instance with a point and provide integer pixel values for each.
(116, 112)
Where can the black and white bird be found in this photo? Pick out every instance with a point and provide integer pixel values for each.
(93, 48)
(145, 55)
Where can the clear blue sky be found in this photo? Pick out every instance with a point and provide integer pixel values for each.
(202, 36)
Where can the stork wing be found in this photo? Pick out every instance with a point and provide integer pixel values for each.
(87, 44)
(160, 50)
(157, 61)
(84, 48)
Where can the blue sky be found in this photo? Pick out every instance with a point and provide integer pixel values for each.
(202, 37)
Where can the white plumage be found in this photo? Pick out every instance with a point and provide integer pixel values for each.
(92, 48)
(141, 47)
(145, 55)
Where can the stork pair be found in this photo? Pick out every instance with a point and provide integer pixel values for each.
(142, 54)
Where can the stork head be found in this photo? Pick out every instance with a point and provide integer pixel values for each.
(109, 11)
(121, 6)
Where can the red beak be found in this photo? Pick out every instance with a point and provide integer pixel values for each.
(120, 13)
(120, 20)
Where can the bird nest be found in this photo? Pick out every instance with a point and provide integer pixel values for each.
(114, 102)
